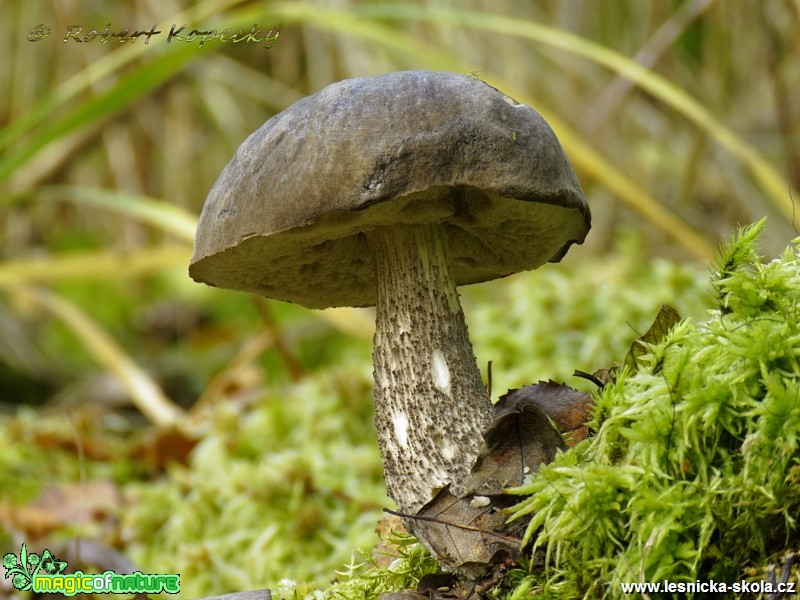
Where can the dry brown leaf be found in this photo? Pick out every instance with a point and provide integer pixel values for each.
(519, 440)
(386, 552)
(467, 532)
(665, 320)
(568, 408)
(164, 446)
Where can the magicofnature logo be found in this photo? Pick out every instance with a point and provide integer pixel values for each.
(45, 574)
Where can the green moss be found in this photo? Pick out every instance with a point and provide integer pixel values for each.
(692, 470)
(281, 488)
(366, 580)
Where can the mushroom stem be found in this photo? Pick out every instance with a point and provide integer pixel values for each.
(431, 406)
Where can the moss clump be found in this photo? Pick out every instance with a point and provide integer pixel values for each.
(283, 487)
(693, 470)
(400, 567)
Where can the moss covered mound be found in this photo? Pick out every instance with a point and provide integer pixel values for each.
(693, 469)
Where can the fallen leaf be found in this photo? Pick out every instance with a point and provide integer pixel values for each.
(665, 320)
(517, 442)
(465, 536)
(568, 408)
(90, 446)
(386, 552)
(466, 532)
(162, 447)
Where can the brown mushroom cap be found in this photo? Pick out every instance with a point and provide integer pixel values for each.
(287, 215)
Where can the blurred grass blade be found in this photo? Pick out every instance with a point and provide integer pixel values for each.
(612, 97)
(80, 82)
(405, 48)
(93, 110)
(60, 114)
(145, 393)
(775, 187)
(97, 70)
(214, 391)
(168, 217)
(93, 265)
(588, 160)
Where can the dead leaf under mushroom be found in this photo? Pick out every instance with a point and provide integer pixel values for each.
(467, 532)
(568, 408)
(518, 441)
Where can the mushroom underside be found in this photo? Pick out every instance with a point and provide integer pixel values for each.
(328, 262)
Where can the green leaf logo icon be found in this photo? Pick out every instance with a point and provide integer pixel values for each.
(22, 569)
(17, 569)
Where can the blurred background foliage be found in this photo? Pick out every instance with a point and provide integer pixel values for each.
(681, 119)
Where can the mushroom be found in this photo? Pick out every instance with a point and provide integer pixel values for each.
(391, 191)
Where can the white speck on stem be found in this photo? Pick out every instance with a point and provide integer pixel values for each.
(439, 372)
(400, 422)
(447, 450)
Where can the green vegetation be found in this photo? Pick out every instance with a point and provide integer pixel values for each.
(285, 487)
(692, 469)
(286, 483)
(679, 121)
